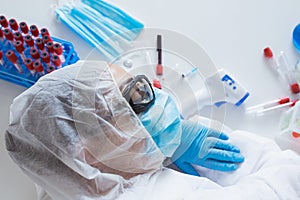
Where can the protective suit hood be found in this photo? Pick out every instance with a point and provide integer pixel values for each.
(75, 135)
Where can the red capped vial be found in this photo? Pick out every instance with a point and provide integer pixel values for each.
(24, 27)
(18, 36)
(50, 47)
(3, 21)
(44, 32)
(13, 24)
(46, 57)
(34, 53)
(29, 65)
(38, 67)
(56, 61)
(58, 49)
(46, 38)
(40, 44)
(11, 56)
(19, 46)
(8, 34)
(29, 41)
(34, 30)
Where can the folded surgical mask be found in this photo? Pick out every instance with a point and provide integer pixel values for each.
(163, 122)
(100, 24)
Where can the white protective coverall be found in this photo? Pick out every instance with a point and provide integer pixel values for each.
(76, 137)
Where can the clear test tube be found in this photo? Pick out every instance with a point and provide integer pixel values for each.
(287, 73)
(268, 104)
(276, 108)
(29, 65)
(3, 21)
(24, 27)
(268, 54)
(13, 25)
(14, 60)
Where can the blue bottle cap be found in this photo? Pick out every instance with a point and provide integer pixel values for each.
(296, 37)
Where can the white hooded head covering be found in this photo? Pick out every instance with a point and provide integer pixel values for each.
(75, 135)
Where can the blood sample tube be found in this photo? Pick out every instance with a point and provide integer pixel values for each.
(40, 44)
(34, 31)
(1, 35)
(46, 38)
(59, 51)
(44, 32)
(37, 65)
(24, 27)
(50, 47)
(29, 65)
(34, 53)
(56, 61)
(18, 36)
(8, 34)
(13, 24)
(46, 58)
(50, 69)
(14, 60)
(1, 58)
(3, 21)
(29, 41)
(20, 48)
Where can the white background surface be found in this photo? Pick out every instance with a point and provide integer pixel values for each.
(233, 33)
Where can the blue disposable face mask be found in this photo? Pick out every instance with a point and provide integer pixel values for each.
(163, 122)
(100, 24)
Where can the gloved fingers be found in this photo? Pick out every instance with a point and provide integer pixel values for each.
(219, 165)
(186, 168)
(223, 155)
(217, 134)
(224, 145)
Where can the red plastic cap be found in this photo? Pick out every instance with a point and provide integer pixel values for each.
(38, 66)
(45, 31)
(8, 34)
(29, 41)
(40, 44)
(34, 30)
(18, 36)
(284, 100)
(24, 27)
(3, 21)
(13, 24)
(34, 53)
(29, 64)
(295, 88)
(50, 47)
(56, 61)
(19, 46)
(296, 135)
(46, 57)
(58, 49)
(156, 84)
(1, 55)
(46, 38)
(11, 56)
(268, 52)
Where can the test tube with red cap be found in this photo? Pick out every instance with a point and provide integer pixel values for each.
(18, 36)
(29, 41)
(1, 58)
(24, 27)
(267, 104)
(46, 38)
(29, 65)
(59, 51)
(34, 31)
(13, 24)
(3, 21)
(20, 48)
(12, 57)
(34, 53)
(44, 32)
(40, 44)
(1, 35)
(37, 65)
(56, 61)
(46, 58)
(270, 58)
(50, 47)
(8, 35)
(287, 73)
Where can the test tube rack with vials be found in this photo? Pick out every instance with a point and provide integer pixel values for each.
(27, 53)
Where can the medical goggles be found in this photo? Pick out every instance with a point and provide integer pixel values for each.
(139, 93)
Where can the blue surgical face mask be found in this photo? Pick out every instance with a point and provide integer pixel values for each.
(162, 121)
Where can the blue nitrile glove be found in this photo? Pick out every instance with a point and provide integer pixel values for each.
(205, 147)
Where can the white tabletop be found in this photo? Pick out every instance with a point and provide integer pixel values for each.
(232, 32)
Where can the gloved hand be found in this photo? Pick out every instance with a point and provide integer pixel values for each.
(205, 147)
